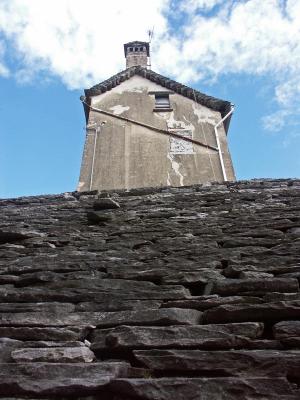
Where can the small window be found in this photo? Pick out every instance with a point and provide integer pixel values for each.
(162, 101)
(130, 49)
(136, 49)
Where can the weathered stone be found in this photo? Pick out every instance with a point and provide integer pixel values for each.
(81, 294)
(96, 276)
(59, 379)
(286, 329)
(239, 242)
(168, 316)
(50, 334)
(255, 275)
(231, 388)
(253, 312)
(36, 307)
(105, 203)
(96, 217)
(272, 297)
(226, 363)
(45, 343)
(202, 276)
(234, 286)
(53, 354)
(7, 345)
(11, 237)
(115, 304)
(206, 336)
(165, 276)
(267, 264)
(203, 303)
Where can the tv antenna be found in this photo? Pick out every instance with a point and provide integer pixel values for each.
(150, 34)
(150, 37)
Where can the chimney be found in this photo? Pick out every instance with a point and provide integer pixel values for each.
(136, 53)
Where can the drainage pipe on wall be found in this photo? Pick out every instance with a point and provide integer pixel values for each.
(218, 141)
(97, 130)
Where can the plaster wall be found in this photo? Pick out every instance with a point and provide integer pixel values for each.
(129, 156)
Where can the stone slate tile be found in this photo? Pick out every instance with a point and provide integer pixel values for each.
(7, 345)
(168, 316)
(117, 304)
(68, 333)
(286, 329)
(36, 307)
(267, 312)
(82, 294)
(209, 336)
(53, 354)
(203, 303)
(228, 363)
(59, 379)
(170, 276)
(230, 388)
(232, 286)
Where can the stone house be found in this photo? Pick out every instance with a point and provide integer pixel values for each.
(145, 130)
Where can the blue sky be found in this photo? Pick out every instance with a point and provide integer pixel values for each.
(246, 51)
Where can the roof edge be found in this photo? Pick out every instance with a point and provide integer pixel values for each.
(223, 106)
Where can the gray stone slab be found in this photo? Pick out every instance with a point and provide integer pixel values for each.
(36, 307)
(170, 276)
(209, 336)
(105, 204)
(286, 329)
(67, 333)
(203, 303)
(85, 294)
(234, 286)
(168, 316)
(270, 312)
(230, 388)
(53, 354)
(59, 379)
(115, 304)
(226, 363)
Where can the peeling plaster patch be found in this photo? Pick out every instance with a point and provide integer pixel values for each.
(80, 184)
(175, 168)
(178, 146)
(168, 180)
(136, 84)
(119, 109)
(205, 115)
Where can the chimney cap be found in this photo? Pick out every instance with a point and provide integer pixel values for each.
(137, 43)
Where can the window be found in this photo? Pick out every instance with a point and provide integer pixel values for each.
(162, 101)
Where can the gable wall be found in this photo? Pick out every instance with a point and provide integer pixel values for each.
(129, 156)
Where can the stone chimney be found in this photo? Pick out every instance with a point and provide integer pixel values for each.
(136, 53)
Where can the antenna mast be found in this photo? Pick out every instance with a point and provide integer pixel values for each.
(150, 36)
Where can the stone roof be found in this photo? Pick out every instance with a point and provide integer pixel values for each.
(187, 293)
(208, 101)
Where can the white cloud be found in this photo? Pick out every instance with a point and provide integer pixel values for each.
(4, 71)
(203, 5)
(81, 42)
(253, 37)
(276, 121)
